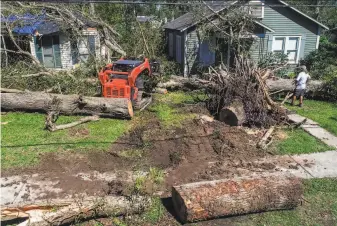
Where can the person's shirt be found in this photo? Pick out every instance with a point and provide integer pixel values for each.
(301, 80)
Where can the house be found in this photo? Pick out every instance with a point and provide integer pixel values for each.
(333, 35)
(155, 23)
(52, 44)
(279, 28)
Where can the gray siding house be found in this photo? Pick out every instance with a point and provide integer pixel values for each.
(279, 28)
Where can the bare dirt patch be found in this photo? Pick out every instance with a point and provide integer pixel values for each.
(194, 151)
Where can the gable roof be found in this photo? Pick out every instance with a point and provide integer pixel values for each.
(303, 14)
(189, 19)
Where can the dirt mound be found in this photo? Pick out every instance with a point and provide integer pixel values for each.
(188, 153)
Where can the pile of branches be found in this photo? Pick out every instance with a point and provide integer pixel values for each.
(244, 83)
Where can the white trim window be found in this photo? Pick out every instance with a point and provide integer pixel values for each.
(256, 8)
(289, 45)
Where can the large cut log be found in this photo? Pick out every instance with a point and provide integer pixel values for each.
(234, 114)
(212, 199)
(67, 212)
(67, 104)
(178, 82)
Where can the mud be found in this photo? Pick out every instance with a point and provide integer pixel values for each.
(195, 151)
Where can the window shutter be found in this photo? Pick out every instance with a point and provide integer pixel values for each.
(38, 49)
(91, 41)
(57, 51)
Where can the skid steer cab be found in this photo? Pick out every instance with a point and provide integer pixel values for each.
(125, 79)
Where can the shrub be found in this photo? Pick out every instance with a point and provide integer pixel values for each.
(273, 59)
(318, 62)
(322, 65)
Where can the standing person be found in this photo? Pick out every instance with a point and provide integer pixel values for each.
(301, 82)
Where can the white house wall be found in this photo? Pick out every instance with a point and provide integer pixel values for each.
(65, 48)
(97, 42)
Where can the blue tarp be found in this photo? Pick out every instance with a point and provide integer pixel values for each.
(28, 24)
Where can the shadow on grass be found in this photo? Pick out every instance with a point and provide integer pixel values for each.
(70, 143)
(333, 118)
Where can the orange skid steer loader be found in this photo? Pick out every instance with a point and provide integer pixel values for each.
(125, 79)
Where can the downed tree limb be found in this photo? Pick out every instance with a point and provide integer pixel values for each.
(289, 94)
(266, 74)
(212, 199)
(42, 73)
(297, 125)
(263, 143)
(51, 126)
(67, 104)
(70, 211)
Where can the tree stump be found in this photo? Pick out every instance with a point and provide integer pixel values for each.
(234, 114)
(213, 199)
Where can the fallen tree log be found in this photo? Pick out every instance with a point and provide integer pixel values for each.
(67, 104)
(179, 82)
(234, 114)
(288, 85)
(66, 212)
(212, 199)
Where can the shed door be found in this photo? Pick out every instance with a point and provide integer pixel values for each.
(170, 44)
(206, 55)
(178, 48)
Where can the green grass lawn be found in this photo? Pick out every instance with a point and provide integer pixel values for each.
(325, 113)
(23, 138)
(166, 107)
(297, 141)
(319, 207)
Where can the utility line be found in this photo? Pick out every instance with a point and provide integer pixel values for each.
(172, 3)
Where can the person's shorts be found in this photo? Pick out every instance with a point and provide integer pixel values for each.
(299, 92)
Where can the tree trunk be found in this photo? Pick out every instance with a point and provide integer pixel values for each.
(234, 114)
(67, 212)
(288, 85)
(178, 82)
(67, 104)
(212, 199)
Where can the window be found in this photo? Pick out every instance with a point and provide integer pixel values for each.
(256, 8)
(48, 51)
(83, 48)
(288, 45)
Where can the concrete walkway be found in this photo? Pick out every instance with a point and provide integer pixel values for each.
(315, 130)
